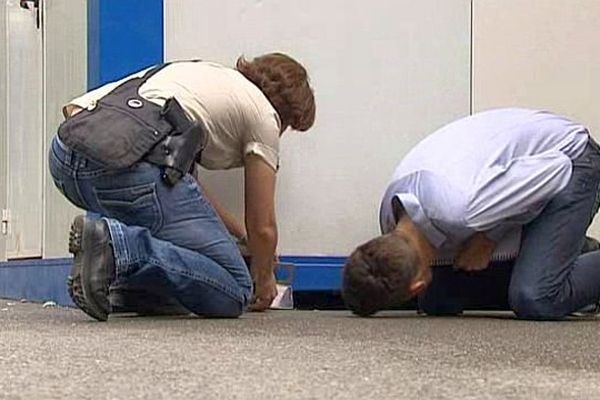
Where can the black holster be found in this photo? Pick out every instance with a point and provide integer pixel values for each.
(177, 152)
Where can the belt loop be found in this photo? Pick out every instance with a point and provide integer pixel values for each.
(79, 161)
(68, 157)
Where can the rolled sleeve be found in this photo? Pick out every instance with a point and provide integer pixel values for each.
(267, 153)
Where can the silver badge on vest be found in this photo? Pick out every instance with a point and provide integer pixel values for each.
(135, 103)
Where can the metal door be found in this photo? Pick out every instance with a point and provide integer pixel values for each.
(22, 218)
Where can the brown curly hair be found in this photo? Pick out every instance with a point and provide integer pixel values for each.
(284, 81)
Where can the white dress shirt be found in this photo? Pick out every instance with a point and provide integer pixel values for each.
(490, 172)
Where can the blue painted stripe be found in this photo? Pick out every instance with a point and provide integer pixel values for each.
(124, 36)
(36, 280)
(43, 280)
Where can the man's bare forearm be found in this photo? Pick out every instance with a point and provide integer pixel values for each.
(262, 244)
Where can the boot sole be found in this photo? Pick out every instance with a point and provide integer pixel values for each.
(77, 244)
(74, 280)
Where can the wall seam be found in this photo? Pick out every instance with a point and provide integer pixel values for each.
(471, 61)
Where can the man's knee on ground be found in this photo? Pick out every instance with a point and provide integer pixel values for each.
(528, 303)
(216, 304)
(231, 309)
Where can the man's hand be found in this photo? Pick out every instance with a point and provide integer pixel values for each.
(265, 291)
(475, 254)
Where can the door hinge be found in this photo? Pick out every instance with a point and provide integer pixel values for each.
(5, 220)
(32, 5)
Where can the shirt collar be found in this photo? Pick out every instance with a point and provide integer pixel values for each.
(417, 215)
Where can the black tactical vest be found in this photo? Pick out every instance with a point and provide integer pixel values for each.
(123, 128)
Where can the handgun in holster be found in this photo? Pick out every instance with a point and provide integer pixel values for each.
(177, 152)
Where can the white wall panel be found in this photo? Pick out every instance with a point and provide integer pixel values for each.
(65, 49)
(24, 132)
(386, 73)
(540, 54)
(3, 122)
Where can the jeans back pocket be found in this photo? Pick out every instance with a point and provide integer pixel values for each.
(134, 205)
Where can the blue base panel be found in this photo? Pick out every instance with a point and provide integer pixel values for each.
(45, 280)
(36, 280)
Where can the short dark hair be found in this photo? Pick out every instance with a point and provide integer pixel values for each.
(378, 274)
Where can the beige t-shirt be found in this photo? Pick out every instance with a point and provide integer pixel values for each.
(239, 119)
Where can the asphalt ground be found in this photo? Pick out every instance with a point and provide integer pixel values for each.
(59, 353)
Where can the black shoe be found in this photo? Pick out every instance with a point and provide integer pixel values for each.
(93, 266)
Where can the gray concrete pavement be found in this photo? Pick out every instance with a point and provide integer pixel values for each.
(58, 353)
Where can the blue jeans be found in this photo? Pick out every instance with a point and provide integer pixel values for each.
(550, 277)
(167, 241)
